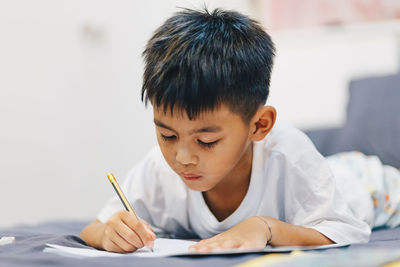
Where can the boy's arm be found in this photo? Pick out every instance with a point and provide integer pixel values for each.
(253, 233)
(286, 234)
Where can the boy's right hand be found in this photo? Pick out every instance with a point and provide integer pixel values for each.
(124, 233)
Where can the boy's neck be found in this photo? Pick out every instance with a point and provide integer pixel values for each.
(226, 197)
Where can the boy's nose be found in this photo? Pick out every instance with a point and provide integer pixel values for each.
(184, 157)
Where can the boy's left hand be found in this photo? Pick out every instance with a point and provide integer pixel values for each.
(249, 234)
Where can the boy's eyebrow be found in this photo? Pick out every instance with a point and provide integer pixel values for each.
(207, 129)
(162, 125)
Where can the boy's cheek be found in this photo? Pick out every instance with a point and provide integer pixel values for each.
(167, 153)
(209, 163)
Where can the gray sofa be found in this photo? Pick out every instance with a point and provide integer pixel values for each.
(373, 121)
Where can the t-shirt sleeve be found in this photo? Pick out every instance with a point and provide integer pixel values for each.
(314, 201)
(139, 188)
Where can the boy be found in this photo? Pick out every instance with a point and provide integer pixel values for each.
(224, 171)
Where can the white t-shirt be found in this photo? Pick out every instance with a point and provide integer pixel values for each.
(290, 181)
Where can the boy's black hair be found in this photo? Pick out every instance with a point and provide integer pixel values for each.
(198, 60)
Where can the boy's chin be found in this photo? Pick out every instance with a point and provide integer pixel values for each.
(198, 186)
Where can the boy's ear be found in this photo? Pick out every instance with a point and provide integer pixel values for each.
(262, 123)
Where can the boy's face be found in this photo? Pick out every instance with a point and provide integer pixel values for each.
(204, 151)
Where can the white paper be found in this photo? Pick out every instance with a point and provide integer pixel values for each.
(162, 248)
(170, 247)
(5, 240)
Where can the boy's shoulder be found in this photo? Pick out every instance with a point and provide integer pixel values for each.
(155, 162)
(155, 171)
(288, 155)
(290, 143)
(153, 175)
(284, 136)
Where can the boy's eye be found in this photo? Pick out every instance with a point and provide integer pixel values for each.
(207, 145)
(168, 137)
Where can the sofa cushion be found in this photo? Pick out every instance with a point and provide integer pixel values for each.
(373, 118)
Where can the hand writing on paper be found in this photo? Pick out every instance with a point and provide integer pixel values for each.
(124, 233)
(252, 233)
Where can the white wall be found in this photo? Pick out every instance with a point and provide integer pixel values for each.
(313, 67)
(70, 110)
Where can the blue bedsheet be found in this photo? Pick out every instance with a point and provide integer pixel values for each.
(31, 240)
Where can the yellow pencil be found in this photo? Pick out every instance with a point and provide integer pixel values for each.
(121, 196)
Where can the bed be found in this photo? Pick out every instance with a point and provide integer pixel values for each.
(372, 127)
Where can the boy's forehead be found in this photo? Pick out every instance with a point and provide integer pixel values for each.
(208, 121)
(217, 114)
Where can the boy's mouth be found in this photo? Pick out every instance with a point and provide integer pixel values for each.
(190, 176)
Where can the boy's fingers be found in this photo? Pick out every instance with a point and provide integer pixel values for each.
(198, 245)
(204, 248)
(148, 225)
(214, 245)
(230, 244)
(110, 245)
(119, 248)
(151, 243)
(202, 242)
(121, 243)
(128, 235)
(211, 246)
(146, 236)
(115, 248)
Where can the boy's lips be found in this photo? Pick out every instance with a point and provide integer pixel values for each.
(190, 176)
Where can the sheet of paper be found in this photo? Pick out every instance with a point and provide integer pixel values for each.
(168, 247)
(163, 247)
(5, 240)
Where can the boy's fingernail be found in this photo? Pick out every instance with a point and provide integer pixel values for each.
(152, 235)
(149, 230)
